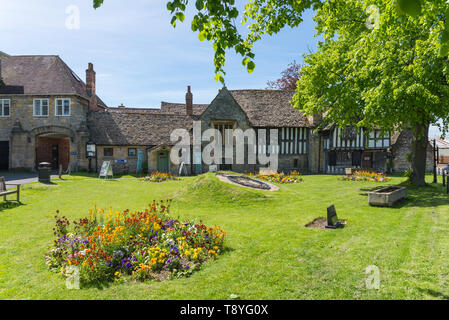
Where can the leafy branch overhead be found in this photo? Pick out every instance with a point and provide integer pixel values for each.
(216, 22)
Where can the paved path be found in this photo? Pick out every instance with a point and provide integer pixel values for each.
(21, 177)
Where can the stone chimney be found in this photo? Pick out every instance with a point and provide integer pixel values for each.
(90, 86)
(189, 101)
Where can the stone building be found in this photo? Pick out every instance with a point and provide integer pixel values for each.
(47, 113)
(119, 132)
(43, 112)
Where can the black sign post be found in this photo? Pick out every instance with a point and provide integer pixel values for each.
(435, 159)
(444, 177)
(447, 182)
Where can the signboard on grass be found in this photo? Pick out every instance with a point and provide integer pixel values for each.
(106, 170)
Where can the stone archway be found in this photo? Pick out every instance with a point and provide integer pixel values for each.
(53, 145)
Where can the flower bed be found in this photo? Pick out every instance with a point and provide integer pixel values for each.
(365, 175)
(292, 177)
(140, 245)
(157, 176)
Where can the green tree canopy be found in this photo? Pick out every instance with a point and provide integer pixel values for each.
(387, 74)
(216, 21)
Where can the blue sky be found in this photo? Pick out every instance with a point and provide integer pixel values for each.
(140, 59)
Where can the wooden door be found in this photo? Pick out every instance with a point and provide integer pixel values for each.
(55, 156)
(367, 160)
(162, 161)
(4, 155)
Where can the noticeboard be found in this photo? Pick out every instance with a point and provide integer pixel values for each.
(106, 169)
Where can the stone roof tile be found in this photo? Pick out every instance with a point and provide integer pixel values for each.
(41, 75)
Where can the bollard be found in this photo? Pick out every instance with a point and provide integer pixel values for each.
(444, 178)
(447, 186)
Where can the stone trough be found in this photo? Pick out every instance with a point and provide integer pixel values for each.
(387, 197)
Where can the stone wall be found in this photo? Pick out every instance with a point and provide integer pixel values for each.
(224, 108)
(22, 129)
(120, 153)
(402, 147)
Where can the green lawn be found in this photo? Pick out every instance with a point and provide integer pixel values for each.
(271, 254)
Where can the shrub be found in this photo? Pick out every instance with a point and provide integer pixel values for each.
(139, 245)
(157, 176)
(282, 178)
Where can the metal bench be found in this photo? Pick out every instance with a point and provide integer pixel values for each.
(4, 191)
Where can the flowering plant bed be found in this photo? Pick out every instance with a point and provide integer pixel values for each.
(123, 245)
(157, 176)
(282, 178)
(365, 175)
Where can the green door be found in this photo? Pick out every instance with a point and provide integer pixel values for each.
(162, 161)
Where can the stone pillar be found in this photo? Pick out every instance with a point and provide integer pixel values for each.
(79, 147)
(314, 152)
(22, 149)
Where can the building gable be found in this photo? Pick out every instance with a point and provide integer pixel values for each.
(224, 108)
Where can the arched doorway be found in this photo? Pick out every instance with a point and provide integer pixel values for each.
(53, 148)
(53, 144)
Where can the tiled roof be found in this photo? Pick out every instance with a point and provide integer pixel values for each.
(40, 75)
(270, 108)
(133, 128)
(166, 108)
(180, 108)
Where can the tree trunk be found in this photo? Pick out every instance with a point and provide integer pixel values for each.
(419, 154)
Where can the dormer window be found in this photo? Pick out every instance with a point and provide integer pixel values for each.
(5, 107)
(40, 108)
(62, 107)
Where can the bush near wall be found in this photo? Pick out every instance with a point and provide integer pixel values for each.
(366, 175)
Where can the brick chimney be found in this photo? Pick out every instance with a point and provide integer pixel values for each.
(189, 101)
(90, 86)
(1, 78)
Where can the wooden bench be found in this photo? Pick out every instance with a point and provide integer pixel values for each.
(4, 191)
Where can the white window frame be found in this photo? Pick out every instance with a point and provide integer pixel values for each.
(34, 108)
(2, 108)
(56, 107)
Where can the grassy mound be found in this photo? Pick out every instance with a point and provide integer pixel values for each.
(206, 189)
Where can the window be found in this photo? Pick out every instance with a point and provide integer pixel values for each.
(293, 140)
(108, 152)
(40, 107)
(376, 140)
(62, 107)
(222, 126)
(5, 107)
(265, 147)
(132, 152)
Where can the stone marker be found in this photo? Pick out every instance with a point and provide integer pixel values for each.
(332, 219)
